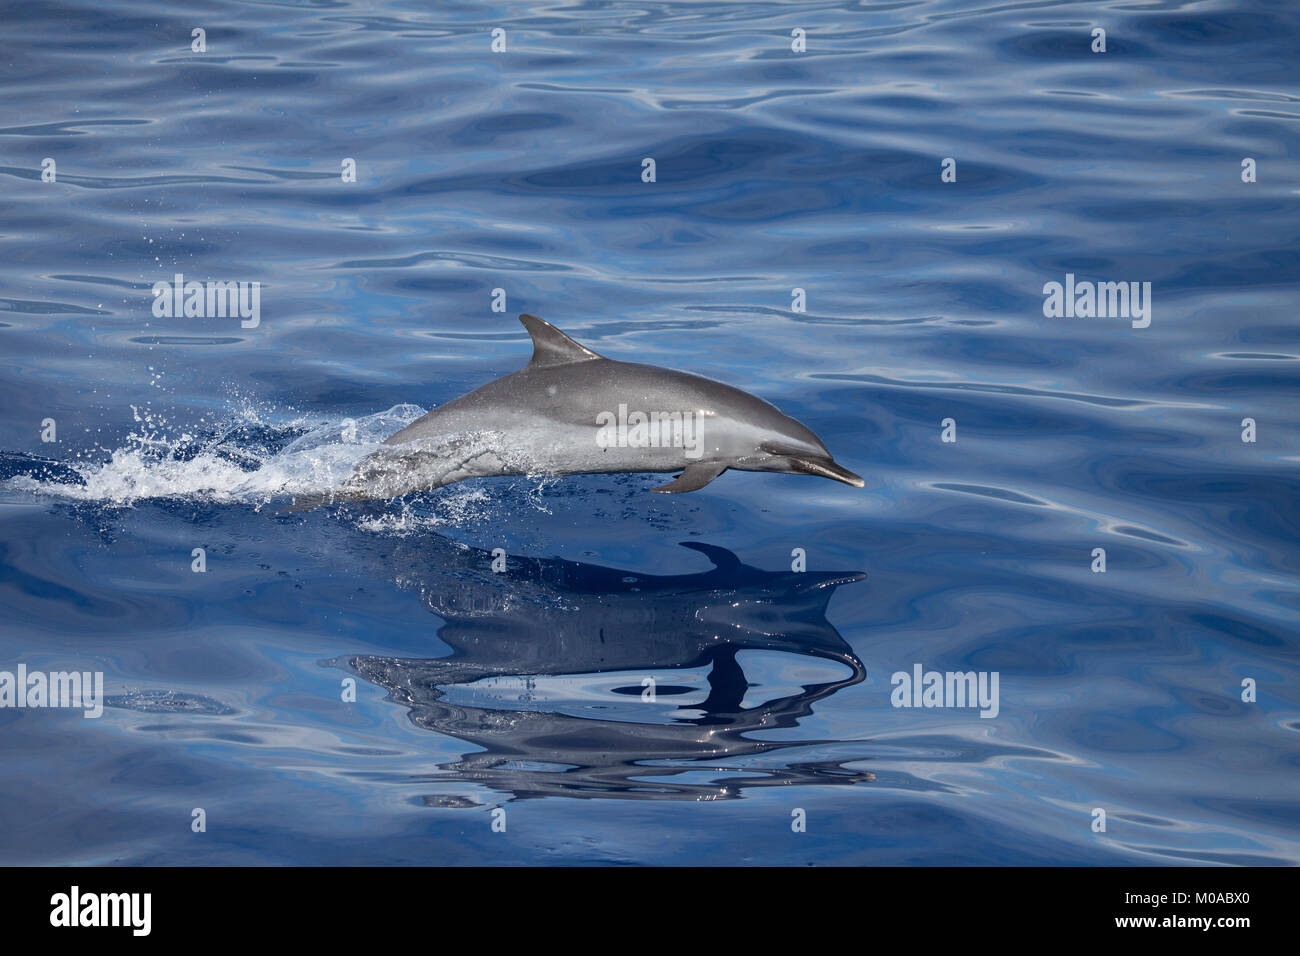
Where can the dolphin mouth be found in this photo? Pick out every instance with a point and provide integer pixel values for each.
(828, 469)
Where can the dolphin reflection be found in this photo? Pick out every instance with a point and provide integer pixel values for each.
(552, 618)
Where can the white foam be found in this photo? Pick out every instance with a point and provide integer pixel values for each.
(154, 465)
(455, 506)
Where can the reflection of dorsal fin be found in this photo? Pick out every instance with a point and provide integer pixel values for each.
(553, 347)
(722, 559)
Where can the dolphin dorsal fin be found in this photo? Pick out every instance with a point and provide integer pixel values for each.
(553, 347)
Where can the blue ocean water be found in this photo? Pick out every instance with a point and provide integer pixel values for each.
(775, 170)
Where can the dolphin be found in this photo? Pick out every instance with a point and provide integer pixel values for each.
(571, 411)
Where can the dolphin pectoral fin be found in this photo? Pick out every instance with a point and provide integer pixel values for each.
(696, 476)
(553, 347)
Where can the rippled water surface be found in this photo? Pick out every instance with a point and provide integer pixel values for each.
(524, 690)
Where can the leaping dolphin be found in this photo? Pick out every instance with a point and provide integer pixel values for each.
(570, 411)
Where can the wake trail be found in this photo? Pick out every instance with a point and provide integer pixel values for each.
(246, 460)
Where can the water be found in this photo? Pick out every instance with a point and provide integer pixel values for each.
(522, 171)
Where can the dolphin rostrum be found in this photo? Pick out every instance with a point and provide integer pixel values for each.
(570, 411)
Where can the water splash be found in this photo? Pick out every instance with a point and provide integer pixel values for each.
(248, 459)
(457, 505)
